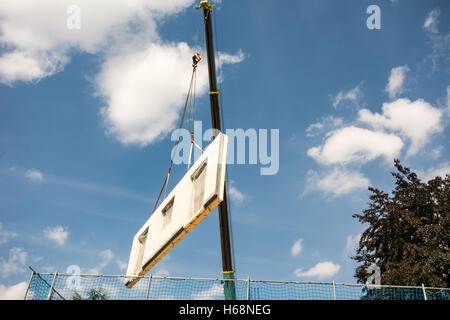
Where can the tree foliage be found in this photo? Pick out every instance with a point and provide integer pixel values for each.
(408, 234)
(93, 294)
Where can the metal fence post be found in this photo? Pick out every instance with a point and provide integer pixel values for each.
(29, 284)
(248, 288)
(148, 287)
(334, 289)
(424, 292)
(49, 297)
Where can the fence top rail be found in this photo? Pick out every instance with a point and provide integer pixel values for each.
(245, 280)
(377, 286)
(436, 288)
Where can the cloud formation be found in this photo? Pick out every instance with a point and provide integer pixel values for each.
(235, 194)
(415, 120)
(5, 235)
(297, 247)
(34, 175)
(14, 264)
(145, 90)
(106, 256)
(14, 292)
(227, 58)
(438, 171)
(213, 293)
(39, 43)
(353, 96)
(431, 22)
(325, 124)
(351, 244)
(373, 135)
(143, 79)
(353, 144)
(338, 181)
(447, 108)
(396, 79)
(440, 43)
(59, 234)
(321, 270)
(122, 265)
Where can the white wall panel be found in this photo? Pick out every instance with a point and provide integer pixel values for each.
(162, 235)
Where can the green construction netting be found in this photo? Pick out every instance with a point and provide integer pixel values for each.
(91, 287)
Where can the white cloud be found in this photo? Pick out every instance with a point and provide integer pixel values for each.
(352, 244)
(48, 269)
(235, 194)
(337, 181)
(162, 273)
(144, 91)
(226, 58)
(447, 109)
(396, 79)
(432, 21)
(400, 120)
(439, 42)
(37, 34)
(326, 123)
(223, 58)
(352, 144)
(28, 67)
(437, 152)
(322, 270)
(441, 170)
(416, 120)
(213, 293)
(354, 96)
(5, 235)
(14, 292)
(297, 247)
(59, 234)
(37, 259)
(34, 175)
(143, 79)
(106, 256)
(15, 262)
(122, 265)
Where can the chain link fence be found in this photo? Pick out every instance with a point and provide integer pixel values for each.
(47, 286)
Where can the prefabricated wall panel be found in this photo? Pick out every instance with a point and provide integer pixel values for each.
(193, 198)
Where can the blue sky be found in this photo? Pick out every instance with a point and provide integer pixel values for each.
(86, 117)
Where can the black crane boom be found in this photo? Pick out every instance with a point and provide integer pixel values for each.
(224, 221)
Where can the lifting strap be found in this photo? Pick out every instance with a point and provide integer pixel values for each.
(190, 107)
